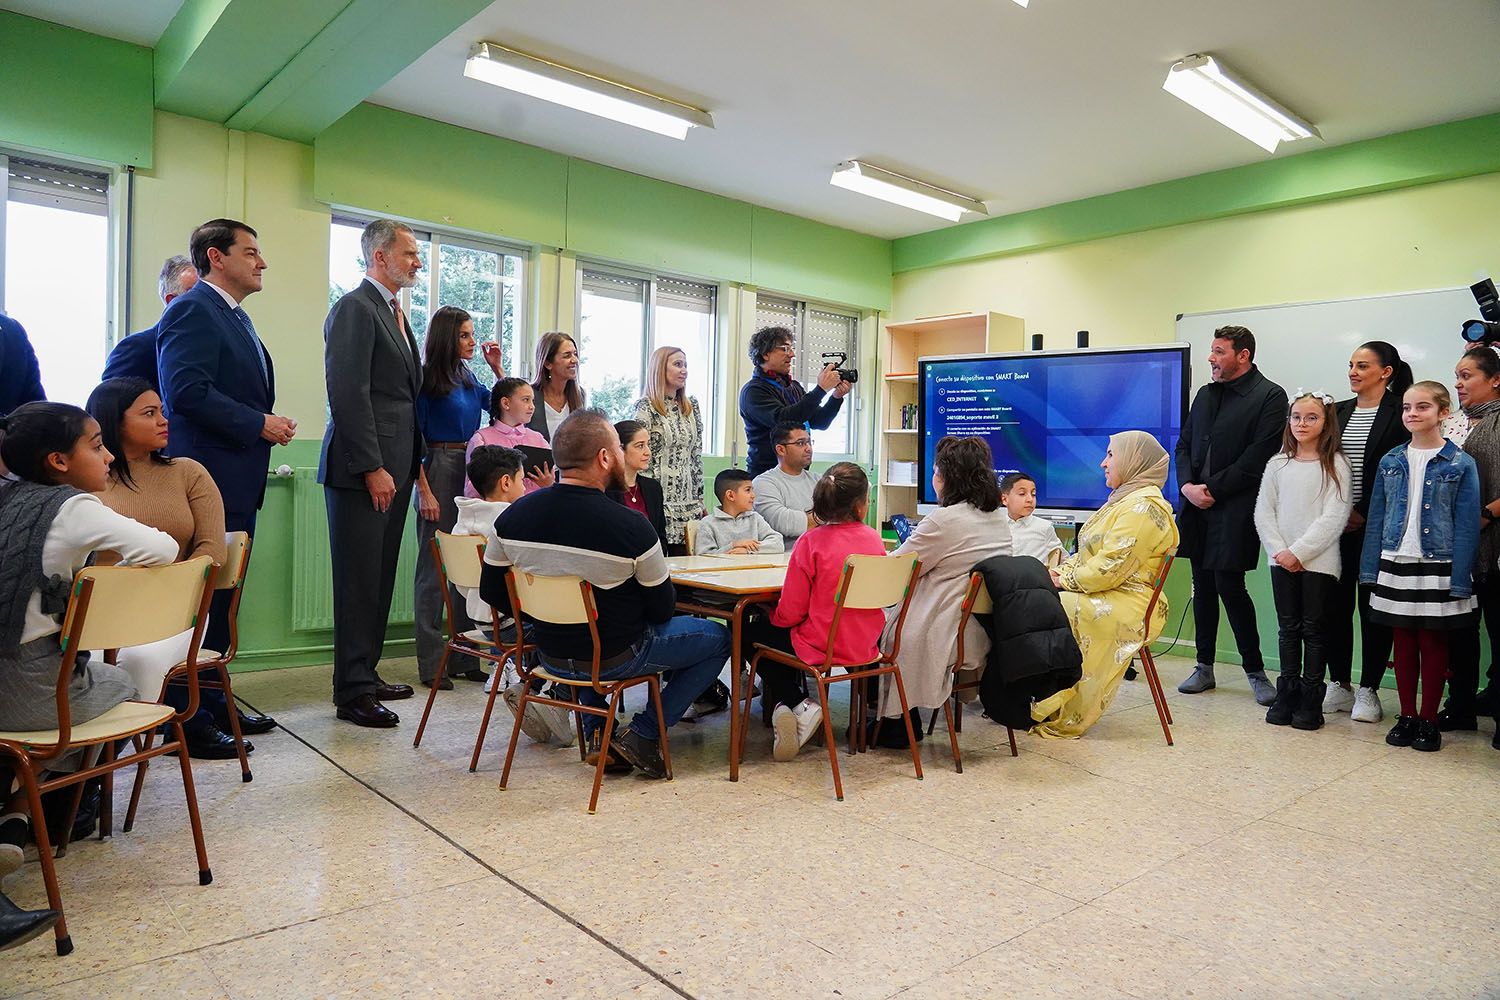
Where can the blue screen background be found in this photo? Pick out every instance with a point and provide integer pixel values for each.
(1051, 415)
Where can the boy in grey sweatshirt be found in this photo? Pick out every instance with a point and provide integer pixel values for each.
(735, 528)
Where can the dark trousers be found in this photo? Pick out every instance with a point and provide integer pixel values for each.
(1463, 648)
(1209, 588)
(212, 708)
(1302, 606)
(1374, 638)
(445, 476)
(364, 545)
(779, 683)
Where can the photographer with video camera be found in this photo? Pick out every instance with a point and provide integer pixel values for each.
(772, 396)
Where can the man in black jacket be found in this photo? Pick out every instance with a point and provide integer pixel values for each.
(772, 396)
(1233, 428)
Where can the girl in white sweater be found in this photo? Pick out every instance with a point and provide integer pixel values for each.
(1302, 509)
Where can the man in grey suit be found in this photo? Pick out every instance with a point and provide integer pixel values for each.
(371, 451)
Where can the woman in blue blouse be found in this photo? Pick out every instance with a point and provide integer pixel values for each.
(449, 409)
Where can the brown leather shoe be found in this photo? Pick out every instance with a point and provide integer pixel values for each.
(392, 692)
(367, 711)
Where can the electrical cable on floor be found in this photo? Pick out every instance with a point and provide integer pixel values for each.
(528, 893)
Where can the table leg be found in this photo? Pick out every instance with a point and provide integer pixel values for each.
(736, 629)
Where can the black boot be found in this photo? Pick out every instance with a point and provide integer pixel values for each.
(17, 926)
(1287, 694)
(1308, 714)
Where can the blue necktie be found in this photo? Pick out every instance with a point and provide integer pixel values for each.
(260, 358)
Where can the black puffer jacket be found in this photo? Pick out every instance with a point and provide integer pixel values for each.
(1033, 654)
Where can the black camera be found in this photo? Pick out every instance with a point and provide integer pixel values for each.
(1486, 330)
(838, 359)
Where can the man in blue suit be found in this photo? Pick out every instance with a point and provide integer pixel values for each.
(20, 376)
(135, 356)
(219, 387)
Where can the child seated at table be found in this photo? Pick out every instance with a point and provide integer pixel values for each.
(800, 621)
(735, 528)
(499, 476)
(511, 407)
(1029, 535)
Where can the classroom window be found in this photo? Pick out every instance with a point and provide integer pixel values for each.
(623, 317)
(482, 278)
(817, 330)
(51, 213)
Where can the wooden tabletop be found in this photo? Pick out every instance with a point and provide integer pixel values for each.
(763, 580)
(723, 563)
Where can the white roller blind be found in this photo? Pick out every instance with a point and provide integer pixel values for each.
(52, 185)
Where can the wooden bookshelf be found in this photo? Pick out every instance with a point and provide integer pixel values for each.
(902, 343)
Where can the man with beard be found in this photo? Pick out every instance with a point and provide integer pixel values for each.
(574, 529)
(371, 451)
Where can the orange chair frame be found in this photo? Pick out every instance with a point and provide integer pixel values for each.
(953, 709)
(1148, 662)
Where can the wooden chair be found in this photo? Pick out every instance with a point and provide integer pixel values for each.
(569, 600)
(112, 607)
(1148, 662)
(229, 576)
(460, 562)
(866, 583)
(976, 601)
(690, 535)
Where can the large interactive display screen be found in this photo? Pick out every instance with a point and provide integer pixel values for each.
(1050, 413)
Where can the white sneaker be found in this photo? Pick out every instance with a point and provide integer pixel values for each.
(532, 723)
(1338, 699)
(1366, 706)
(809, 718)
(559, 722)
(784, 745)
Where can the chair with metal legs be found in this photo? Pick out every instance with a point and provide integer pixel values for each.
(1148, 662)
(976, 601)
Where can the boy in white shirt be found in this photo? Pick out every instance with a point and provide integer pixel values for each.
(1029, 535)
(736, 528)
(499, 476)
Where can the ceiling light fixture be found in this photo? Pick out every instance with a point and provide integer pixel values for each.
(856, 175)
(526, 74)
(1023, 2)
(1204, 83)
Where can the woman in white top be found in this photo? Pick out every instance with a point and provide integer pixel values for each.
(1301, 510)
(556, 388)
(967, 529)
(674, 429)
(51, 523)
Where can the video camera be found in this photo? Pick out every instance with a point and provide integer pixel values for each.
(839, 358)
(1486, 330)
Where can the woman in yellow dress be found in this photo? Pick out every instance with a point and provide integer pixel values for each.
(1105, 587)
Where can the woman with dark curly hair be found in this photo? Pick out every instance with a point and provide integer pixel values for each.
(969, 527)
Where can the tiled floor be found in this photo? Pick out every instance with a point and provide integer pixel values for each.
(1245, 861)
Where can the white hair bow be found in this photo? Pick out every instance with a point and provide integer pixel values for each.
(1321, 397)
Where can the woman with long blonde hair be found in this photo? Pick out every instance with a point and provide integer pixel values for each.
(674, 425)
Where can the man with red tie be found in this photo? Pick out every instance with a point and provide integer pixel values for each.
(371, 450)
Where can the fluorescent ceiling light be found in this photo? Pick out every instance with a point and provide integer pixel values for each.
(856, 175)
(1205, 84)
(1023, 2)
(503, 67)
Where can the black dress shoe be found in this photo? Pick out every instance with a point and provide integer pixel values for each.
(1403, 732)
(1449, 721)
(1427, 738)
(367, 711)
(17, 926)
(391, 692)
(476, 675)
(442, 685)
(212, 743)
(252, 725)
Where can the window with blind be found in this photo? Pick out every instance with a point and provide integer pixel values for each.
(55, 268)
(483, 279)
(623, 317)
(815, 331)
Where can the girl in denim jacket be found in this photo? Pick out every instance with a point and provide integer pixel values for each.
(1419, 555)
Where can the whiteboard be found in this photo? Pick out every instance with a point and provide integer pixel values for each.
(1307, 344)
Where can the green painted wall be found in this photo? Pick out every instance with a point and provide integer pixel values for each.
(1406, 159)
(48, 103)
(788, 251)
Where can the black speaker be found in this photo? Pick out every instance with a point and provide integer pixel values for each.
(1083, 338)
(1036, 341)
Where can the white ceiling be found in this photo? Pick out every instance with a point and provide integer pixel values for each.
(138, 21)
(1018, 107)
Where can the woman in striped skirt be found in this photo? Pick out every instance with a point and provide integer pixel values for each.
(1419, 555)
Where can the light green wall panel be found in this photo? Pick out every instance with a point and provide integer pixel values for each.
(388, 162)
(624, 216)
(1406, 159)
(73, 93)
(819, 261)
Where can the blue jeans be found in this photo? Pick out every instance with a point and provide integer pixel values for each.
(687, 652)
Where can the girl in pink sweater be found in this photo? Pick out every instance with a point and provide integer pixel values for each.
(800, 621)
(511, 407)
